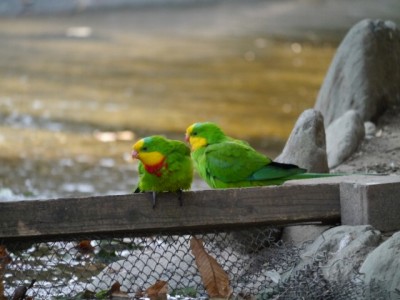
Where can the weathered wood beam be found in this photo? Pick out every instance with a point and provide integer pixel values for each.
(201, 210)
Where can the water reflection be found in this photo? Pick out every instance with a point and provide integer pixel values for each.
(76, 91)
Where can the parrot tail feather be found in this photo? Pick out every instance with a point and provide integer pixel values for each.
(315, 175)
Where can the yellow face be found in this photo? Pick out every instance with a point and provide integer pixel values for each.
(146, 156)
(195, 141)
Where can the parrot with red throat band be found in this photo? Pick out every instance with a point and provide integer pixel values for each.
(165, 166)
(225, 162)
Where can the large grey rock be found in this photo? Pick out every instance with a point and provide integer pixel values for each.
(299, 234)
(382, 266)
(343, 137)
(172, 260)
(364, 74)
(370, 130)
(160, 260)
(306, 144)
(339, 251)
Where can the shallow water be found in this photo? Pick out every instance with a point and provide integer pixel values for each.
(77, 90)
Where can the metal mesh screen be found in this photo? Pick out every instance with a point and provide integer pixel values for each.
(258, 265)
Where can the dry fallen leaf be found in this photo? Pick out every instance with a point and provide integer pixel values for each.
(116, 292)
(215, 279)
(5, 259)
(139, 293)
(85, 247)
(116, 287)
(20, 291)
(158, 291)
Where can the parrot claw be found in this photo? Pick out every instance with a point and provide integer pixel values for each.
(154, 199)
(180, 197)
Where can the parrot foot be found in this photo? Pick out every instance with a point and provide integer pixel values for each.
(154, 199)
(180, 193)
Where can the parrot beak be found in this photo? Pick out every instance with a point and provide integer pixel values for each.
(135, 154)
(187, 138)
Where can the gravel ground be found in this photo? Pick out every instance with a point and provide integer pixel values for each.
(379, 153)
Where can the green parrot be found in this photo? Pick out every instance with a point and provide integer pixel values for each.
(224, 162)
(165, 166)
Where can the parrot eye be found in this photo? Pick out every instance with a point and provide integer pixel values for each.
(144, 148)
(194, 133)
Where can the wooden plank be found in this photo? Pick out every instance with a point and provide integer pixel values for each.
(201, 210)
(374, 203)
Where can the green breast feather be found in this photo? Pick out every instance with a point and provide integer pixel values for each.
(176, 173)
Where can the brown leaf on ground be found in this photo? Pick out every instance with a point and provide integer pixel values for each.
(139, 293)
(215, 279)
(5, 259)
(116, 293)
(20, 291)
(85, 247)
(158, 291)
(116, 287)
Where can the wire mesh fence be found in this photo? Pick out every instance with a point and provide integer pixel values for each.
(258, 263)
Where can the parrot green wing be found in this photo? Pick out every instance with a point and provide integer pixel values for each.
(225, 162)
(181, 148)
(177, 155)
(179, 165)
(276, 170)
(231, 161)
(141, 171)
(236, 162)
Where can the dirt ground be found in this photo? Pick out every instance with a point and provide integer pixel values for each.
(381, 152)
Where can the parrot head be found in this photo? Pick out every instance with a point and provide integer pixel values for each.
(202, 134)
(150, 150)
